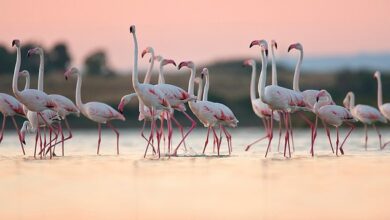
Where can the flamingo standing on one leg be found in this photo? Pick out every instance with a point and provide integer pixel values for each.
(226, 117)
(259, 108)
(309, 96)
(383, 108)
(334, 115)
(9, 107)
(64, 105)
(150, 95)
(366, 114)
(96, 111)
(278, 98)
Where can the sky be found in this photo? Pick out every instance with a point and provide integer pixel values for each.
(201, 30)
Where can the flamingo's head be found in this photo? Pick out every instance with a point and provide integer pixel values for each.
(377, 75)
(205, 72)
(321, 94)
(274, 44)
(147, 50)
(262, 43)
(37, 50)
(249, 62)
(296, 46)
(121, 105)
(16, 43)
(132, 29)
(71, 72)
(24, 73)
(167, 61)
(347, 100)
(188, 64)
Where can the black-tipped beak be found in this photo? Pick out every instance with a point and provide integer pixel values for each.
(120, 111)
(13, 42)
(317, 99)
(66, 77)
(266, 52)
(132, 29)
(255, 42)
(29, 54)
(201, 76)
(276, 45)
(24, 142)
(290, 48)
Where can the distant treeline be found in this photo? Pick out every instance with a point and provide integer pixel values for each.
(229, 83)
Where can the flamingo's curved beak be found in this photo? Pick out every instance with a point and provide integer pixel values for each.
(184, 63)
(120, 107)
(29, 52)
(266, 52)
(169, 62)
(13, 42)
(292, 46)
(143, 53)
(253, 43)
(276, 45)
(132, 29)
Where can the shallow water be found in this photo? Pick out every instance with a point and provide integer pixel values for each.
(82, 185)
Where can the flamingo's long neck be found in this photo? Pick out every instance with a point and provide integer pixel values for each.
(16, 73)
(200, 90)
(380, 97)
(274, 73)
(351, 101)
(298, 72)
(253, 82)
(263, 76)
(148, 74)
(27, 85)
(206, 88)
(41, 71)
(161, 79)
(79, 103)
(191, 81)
(135, 65)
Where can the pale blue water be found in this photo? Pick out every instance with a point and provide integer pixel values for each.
(84, 142)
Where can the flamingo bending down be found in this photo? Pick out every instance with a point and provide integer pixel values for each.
(9, 107)
(309, 96)
(334, 115)
(260, 108)
(34, 100)
(64, 106)
(366, 114)
(277, 98)
(150, 95)
(226, 116)
(383, 108)
(96, 111)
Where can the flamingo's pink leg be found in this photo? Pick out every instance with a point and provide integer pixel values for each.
(379, 135)
(207, 139)
(270, 129)
(384, 145)
(228, 138)
(152, 127)
(280, 134)
(337, 141)
(215, 135)
(366, 138)
(349, 132)
(170, 131)
(117, 136)
(3, 127)
(288, 134)
(100, 137)
(291, 132)
(180, 127)
(18, 131)
(220, 139)
(143, 135)
(328, 134)
(193, 125)
(314, 135)
(265, 122)
(36, 144)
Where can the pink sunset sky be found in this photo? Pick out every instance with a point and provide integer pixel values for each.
(201, 30)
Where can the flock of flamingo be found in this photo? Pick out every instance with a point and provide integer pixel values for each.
(45, 113)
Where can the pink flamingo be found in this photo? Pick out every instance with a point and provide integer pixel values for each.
(366, 114)
(278, 98)
(64, 106)
(383, 108)
(226, 116)
(96, 111)
(9, 107)
(150, 95)
(260, 108)
(334, 115)
(34, 100)
(309, 96)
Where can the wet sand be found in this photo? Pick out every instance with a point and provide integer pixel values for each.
(243, 186)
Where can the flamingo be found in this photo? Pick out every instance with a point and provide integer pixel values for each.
(64, 106)
(9, 107)
(34, 100)
(176, 98)
(278, 98)
(366, 114)
(226, 116)
(383, 108)
(96, 111)
(309, 96)
(334, 115)
(260, 108)
(151, 96)
(205, 111)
